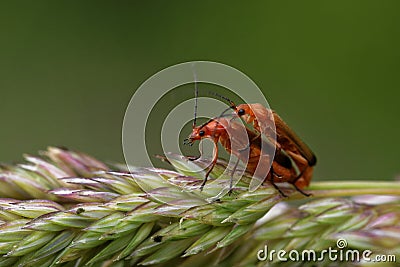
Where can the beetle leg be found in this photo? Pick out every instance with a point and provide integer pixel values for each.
(301, 191)
(214, 161)
(295, 186)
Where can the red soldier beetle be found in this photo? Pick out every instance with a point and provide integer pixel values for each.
(258, 161)
(248, 147)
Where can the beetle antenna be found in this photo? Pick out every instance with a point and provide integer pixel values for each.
(196, 96)
(231, 103)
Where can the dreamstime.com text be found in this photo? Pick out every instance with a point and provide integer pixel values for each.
(331, 254)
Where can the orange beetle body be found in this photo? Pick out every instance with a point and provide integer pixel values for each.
(249, 147)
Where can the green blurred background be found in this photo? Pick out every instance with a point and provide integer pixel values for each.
(330, 69)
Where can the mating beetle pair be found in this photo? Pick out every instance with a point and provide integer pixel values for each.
(292, 161)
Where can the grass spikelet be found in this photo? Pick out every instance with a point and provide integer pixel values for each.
(65, 208)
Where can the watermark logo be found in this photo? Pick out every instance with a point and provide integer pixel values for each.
(341, 243)
(340, 253)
